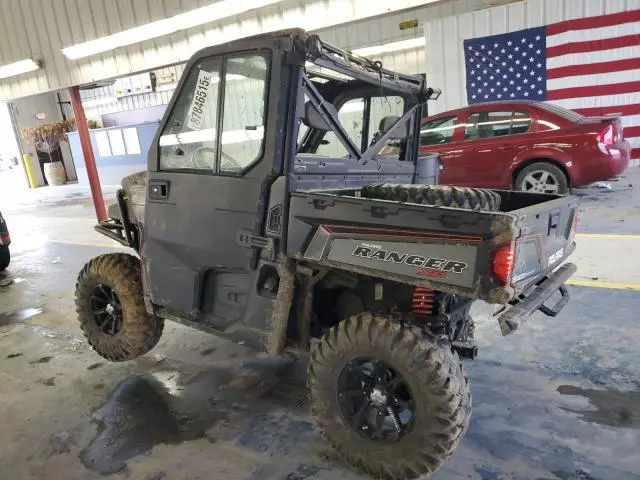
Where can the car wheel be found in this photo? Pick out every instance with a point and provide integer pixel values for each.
(391, 398)
(5, 257)
(542, 177)
(111, 311)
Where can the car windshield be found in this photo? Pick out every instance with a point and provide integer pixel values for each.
(562, 112)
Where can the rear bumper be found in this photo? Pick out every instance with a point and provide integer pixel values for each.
(534, 299)
(606, 161)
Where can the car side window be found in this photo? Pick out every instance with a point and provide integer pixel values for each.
(495, 124)
(520, 123)
(189, 139)
(439, 131)
(244, 112)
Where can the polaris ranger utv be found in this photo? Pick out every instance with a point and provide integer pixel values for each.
(285, 206)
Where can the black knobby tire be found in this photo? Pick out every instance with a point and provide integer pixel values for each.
(433, 373)
(556, 177)
(5, 257)
(138, 332)
(436, 195)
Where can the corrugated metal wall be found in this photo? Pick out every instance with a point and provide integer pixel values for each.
(376, 31)
(444, 59)
(386, 30)
(39, 29)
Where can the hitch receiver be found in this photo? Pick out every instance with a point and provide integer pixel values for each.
(534, 300)
(465, 349)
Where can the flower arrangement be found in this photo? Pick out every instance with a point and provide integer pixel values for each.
(46, 138)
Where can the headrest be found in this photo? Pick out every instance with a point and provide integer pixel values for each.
(313, 119)
(388, 122)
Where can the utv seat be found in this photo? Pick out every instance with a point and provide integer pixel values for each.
(313, 119)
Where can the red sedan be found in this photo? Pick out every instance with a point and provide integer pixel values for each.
(529, 146)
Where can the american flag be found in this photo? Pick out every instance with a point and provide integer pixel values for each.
(589, 65)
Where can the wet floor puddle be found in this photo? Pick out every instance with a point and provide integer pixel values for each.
(17, 316)
(221, 404)
(609, 407)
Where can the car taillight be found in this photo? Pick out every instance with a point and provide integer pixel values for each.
(5, 239)
(606, 136)
(503, 259)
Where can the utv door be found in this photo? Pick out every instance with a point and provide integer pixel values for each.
(210, 157)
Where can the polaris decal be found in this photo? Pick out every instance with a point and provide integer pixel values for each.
(556, 257)
(447, 263)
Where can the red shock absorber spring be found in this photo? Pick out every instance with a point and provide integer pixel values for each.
(423, 301)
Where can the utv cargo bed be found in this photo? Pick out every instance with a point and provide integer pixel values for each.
(493, 256)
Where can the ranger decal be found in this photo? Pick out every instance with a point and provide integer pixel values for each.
(431, 267)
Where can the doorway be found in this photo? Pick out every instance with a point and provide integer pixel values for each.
(12, 177)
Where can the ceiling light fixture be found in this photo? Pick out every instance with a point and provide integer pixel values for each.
(167, 26)
(391, 47)
(18, 68)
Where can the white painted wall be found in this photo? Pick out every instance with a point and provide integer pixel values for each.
(444, 58)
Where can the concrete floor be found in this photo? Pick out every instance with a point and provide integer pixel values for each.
(559, 399)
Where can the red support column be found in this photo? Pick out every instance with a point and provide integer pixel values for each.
(87, 152)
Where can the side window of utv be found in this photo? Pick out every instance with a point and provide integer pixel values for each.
(351, 116)
(189, 139)
(353, 119)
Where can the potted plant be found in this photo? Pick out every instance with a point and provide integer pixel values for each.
(46, 139)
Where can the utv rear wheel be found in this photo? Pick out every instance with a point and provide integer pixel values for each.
(111, 311)
(393, 400)
(5, 257)
(436, 195)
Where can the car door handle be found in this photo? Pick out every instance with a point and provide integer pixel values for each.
(158, 189)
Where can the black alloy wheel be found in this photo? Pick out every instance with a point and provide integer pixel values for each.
(375, 400)
(106, 309)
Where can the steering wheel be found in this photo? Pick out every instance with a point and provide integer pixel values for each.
(196, 159)
(230, 161)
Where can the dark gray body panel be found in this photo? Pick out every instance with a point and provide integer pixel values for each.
(193, 232)
(324, 226)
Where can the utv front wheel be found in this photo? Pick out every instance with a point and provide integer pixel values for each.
(392, 399)
(111, 311)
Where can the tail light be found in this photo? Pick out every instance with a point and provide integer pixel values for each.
(574, 224)
(606, 136)
(503, 260)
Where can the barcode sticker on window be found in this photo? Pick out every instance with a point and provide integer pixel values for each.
(198, 108)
